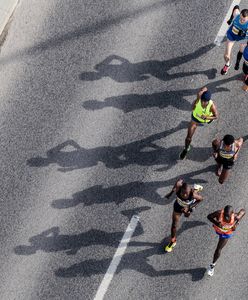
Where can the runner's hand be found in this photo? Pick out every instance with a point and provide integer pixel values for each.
(187, 214)
(218, 224)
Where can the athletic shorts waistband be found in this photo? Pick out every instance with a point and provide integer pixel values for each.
(224, 236)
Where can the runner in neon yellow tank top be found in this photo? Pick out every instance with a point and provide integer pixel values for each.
(204, 111)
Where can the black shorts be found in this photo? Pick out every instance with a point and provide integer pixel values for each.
(177, 208)
(226, 163)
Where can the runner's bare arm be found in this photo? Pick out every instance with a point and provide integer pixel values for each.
(240, 214)
(213, 218)
(238, 145)
(175, 188)
(215, 115)
(238, 217)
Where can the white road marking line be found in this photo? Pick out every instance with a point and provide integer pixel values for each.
(117, 258)
(223, 29)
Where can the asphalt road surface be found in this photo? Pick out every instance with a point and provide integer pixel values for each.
(95, 100)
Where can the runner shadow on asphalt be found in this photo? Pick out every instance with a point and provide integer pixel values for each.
(143, 152)
(120, 193)
(122, 70)
(138, 261)
(52, 241)
(131, 102)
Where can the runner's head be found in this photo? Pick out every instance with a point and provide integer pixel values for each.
(228, 140)
(228, 211)
(244, 16)
(185, 190)
(205, 98)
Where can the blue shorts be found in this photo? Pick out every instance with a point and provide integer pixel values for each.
(234, 37)
(224, 236)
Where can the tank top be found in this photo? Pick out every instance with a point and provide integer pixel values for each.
(239, 28)
(184, 202)
(199, 110)
(227, 154)
(226, 228)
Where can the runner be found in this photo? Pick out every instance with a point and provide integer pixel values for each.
(187, 198)
(204, 111)
(224, 222)
(237, 32)
(245, 68)
(225, 153)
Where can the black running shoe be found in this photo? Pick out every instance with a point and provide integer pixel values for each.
(236, 67)
(184, 153)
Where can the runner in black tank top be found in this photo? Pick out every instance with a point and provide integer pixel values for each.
(225, 154)
(187, 198)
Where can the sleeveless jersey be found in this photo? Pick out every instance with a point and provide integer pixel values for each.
(239, 29)
(227, 154)
(184, 202)
(199, 110)
(226, 228)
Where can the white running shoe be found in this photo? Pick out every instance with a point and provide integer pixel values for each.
(210, 270)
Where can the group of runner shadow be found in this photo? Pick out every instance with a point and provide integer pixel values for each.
(144, 152)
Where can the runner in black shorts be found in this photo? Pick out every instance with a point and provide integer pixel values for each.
(187, 198)
(225, 153)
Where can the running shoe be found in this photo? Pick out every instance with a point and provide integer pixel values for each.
(225, 69)
(236, 67)
(210, 270)
(170, 246)
(184, 153)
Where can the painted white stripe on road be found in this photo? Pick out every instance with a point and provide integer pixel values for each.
(117, 258)
(223, 29)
